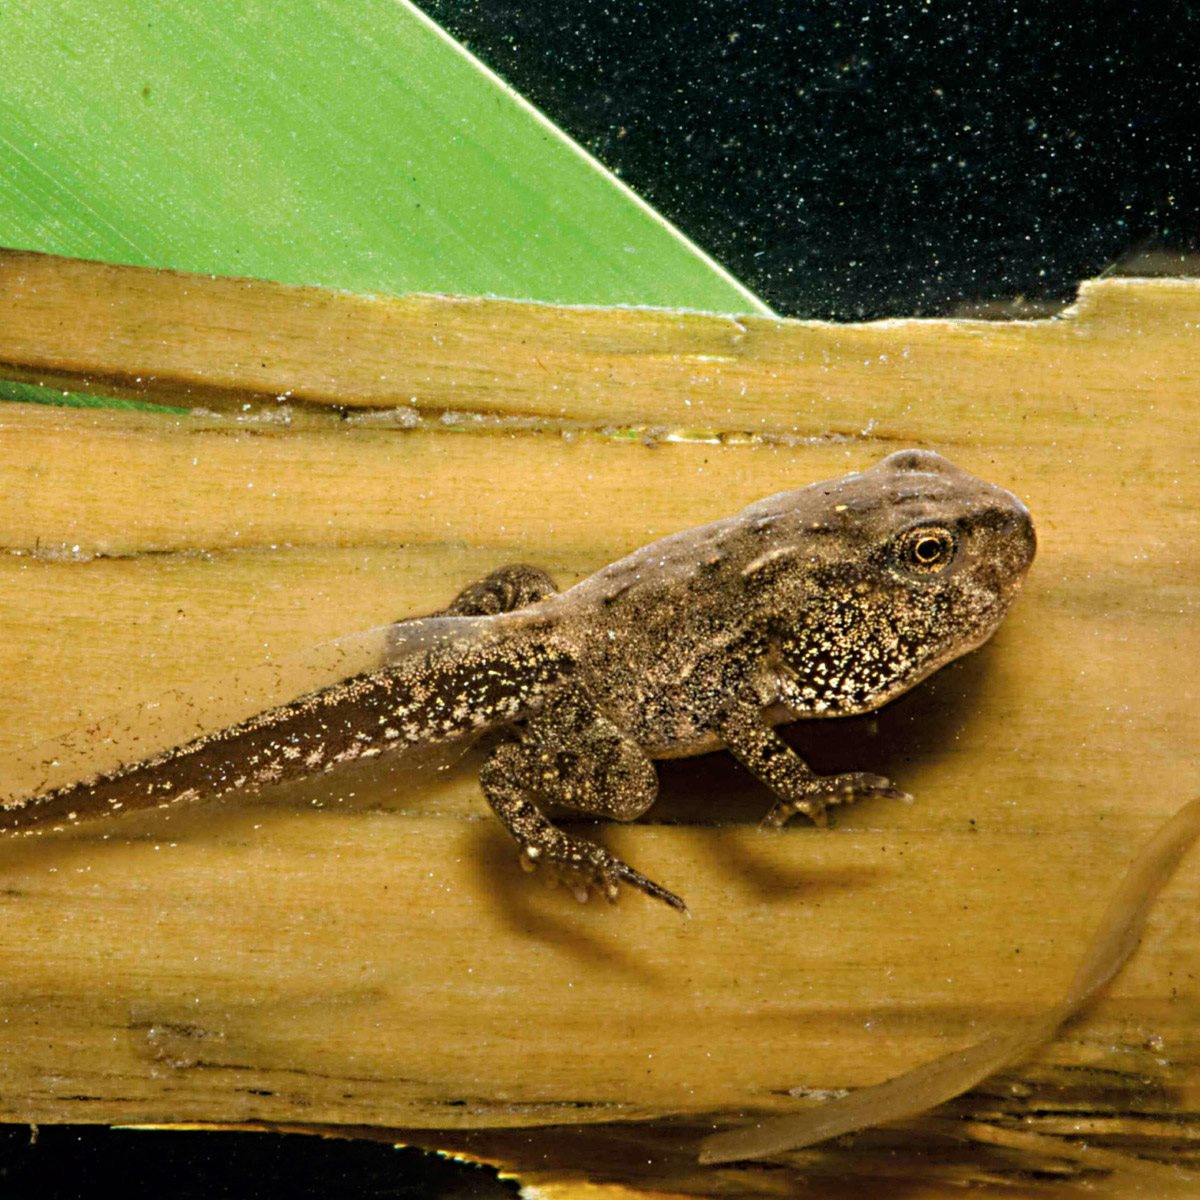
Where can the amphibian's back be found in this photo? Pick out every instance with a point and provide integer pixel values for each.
(666, 634)
(827, 600)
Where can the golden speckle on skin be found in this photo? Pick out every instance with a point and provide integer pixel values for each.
(802, 604)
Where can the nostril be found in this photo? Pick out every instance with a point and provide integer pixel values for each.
(1020, 525)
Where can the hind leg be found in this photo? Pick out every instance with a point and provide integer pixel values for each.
(570, 755)
(504, 590)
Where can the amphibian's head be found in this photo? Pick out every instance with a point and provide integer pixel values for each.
(894, 572)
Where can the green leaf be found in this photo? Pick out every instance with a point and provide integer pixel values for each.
(349, 143)
(28, 393)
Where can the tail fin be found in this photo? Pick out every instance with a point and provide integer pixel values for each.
(413, 683)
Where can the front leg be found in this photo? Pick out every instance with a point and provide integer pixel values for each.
(744, 730)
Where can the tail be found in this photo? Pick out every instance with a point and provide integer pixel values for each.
(434, 680)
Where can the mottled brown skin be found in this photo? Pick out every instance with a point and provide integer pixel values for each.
(826, 601)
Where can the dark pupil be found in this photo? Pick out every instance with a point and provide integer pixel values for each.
(927, 550)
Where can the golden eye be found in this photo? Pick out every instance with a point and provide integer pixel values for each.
(928, 550)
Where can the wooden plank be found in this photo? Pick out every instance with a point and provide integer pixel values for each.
(256, 961)
(225, 342)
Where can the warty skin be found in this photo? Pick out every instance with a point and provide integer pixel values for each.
(826, 601)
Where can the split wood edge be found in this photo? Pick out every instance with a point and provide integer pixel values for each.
(943, 1078)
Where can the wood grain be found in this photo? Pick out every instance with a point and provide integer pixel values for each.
(258, 961)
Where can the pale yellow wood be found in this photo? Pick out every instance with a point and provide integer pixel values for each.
(258, 961)
(163, 335)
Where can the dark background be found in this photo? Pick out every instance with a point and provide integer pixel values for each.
(862, 158)
(845, 159)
